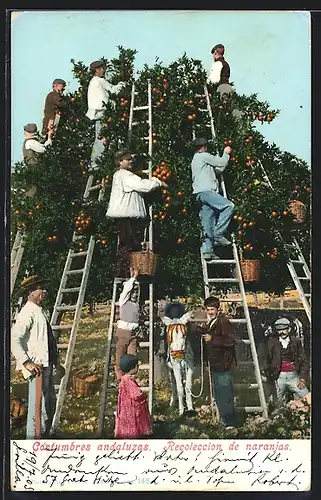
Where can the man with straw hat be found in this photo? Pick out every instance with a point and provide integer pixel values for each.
(35, 349)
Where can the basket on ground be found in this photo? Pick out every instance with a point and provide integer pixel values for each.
(145, 261)
(84, 384)
(298, 209)
(250, 270)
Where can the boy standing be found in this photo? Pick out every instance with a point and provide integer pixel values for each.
(219, 336)
(98, 94)
(216, 211)
(54, 105)
(286, 363)
(125, 336)
(127, 205)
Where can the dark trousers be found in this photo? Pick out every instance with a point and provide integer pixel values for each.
(126, 343)
(130, 237)
(223, 392)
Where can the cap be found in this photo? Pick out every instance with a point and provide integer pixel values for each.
(128, 362)
(282, 324)
(96, 64)
(59, 80)
(219, 47)
(31, 128)
(30, 283)
(200, 141)
(123, 154)
(174, 310)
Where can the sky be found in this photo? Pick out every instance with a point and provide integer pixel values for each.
(268, 52)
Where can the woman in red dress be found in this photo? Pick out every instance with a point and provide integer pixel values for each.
(132, 417)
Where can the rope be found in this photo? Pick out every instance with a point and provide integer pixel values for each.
(202, 373)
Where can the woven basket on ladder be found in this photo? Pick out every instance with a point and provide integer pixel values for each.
(145, 261)
(250, 270)
(84, 384)
(298, 209)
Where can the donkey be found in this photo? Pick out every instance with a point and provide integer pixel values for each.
(180, 356)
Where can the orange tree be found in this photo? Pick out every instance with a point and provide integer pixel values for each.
(262, 214)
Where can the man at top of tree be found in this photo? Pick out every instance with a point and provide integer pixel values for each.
(98, 94)
(220, 71)
(32, 148)
(216, 210)
(127, 205)
(54, 105)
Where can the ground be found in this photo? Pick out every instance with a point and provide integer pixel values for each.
(81, 414)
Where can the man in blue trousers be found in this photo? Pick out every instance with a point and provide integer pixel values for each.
(216, 211)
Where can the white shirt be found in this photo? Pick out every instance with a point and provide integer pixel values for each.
(126, 199)
(97, 94)
(214, 75)
(123, 298)
(36, 145)
(29, 337)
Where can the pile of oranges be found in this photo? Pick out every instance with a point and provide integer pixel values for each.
(82, 222)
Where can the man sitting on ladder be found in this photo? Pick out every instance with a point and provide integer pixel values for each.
(54, 105)
(220, 71)
(98, 94)
(216, 211)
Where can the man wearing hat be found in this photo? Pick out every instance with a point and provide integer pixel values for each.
(216, 210)
(98, 94)
(35, 349)
(286, 362)
(220, 71)
(54, 106)
(32, 148)
(127, 204)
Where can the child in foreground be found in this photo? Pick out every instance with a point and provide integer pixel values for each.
(132, 416)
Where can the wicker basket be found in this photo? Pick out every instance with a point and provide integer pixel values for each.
(145, 261)
(250, 270)
(84, 384)
(298, 209)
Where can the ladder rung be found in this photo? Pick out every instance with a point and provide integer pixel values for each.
(304, 278)
(202, 109)
(62, 346)
(221, 261)
(247, 386)
(231, 300)
(144, 389)
(79, 254)
(77, 237)
(307, 294)
(120, 280)
(140, 108)
(135, 123)
(61, 327)
(296, 262)
(243, 341)
(67, 308)
(250, 409)
(241, 363)
(222, 280)
(146, 138)
(111, 390)
(144, 344)
(199, 95)
(143, 367)
(239, 320)
(75, 271)
(74, 289)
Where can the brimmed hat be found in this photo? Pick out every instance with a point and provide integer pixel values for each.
(31, 128)
(174, 310)
(30, 283)
(282, 324)
(59, 80)
(123, 154)
(200, 141)
(96, 64)
(128, 362)
(219, 47)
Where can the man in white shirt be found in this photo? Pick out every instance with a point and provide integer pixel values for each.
(35, 349)
(98, 94)
(127, 205)
(220, 71)
(32, 148)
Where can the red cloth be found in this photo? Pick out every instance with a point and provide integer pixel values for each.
(287, 366)
(132, 417)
